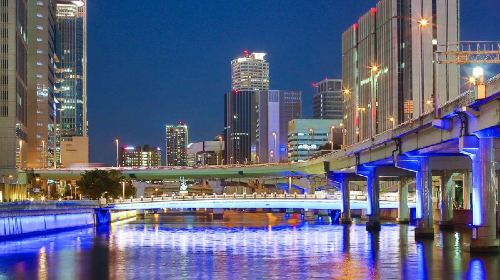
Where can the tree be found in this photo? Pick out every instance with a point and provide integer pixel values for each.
(93, 184)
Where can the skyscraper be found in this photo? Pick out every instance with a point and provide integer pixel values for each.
(387, 64)
(41, 79)
(249, 73)
(328, 101)
(13, 86)
(177, 139)
(273, 110)
(71, 46)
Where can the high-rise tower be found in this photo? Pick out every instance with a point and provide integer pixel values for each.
(249, 73)
(13, 86)
(388, 67)
(327, 101)
(177, 137)
(71, 46)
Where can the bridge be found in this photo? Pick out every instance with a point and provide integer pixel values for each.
(460, 136)
(244, 201)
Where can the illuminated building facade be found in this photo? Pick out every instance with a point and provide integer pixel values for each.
(239, 124)
(250, 72)
(140, 156)
(205, 153)
(328, 102)
(177, 139)
(387, 64)
(41, 80)
(71, 46)
(13, 86)
(273, 110)
(307, 136)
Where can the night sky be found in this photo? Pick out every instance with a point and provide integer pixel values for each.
(155, 62)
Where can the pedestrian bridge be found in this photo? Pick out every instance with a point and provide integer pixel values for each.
(245, 201)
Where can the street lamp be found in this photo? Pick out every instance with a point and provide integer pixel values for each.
(219, 154)
(117, 142)
(275, 154)
(311, 133)
(332, 128)
(422, 23)
(393, 121)
(478, 76)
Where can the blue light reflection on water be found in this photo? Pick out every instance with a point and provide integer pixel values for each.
(245, 246)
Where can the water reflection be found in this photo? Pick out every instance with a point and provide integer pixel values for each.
(243, 245)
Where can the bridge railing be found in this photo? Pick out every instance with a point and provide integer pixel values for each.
(336, 196)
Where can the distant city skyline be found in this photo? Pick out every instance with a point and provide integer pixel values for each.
(302, 43)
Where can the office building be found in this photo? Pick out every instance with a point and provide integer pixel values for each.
(239, 125)
(307, 136)
(387, 64)
(71, 49)
(177, 139)
(273, 110)
(13, 86)
(140, 156)
(205, 153)
(328, 102)
(250, 72)
(41, 79)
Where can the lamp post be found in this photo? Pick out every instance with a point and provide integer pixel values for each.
(393, 121)
(123, 189)
(422, 23)
(219, 154)
(374, 69)
(117, 142)
(311, 133)
(332, 129)
(275, 154)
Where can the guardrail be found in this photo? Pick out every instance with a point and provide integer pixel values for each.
(238, 196)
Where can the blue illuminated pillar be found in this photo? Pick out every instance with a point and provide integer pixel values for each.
(446, 202)
(423, 186)
(403, 211)
(484, 150)
(372, 189)
(342, 180)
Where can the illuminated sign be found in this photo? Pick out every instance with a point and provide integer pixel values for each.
(307, 147)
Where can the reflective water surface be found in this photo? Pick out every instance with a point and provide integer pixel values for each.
(243, 246)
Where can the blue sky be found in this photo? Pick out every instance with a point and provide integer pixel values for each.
(161, 61)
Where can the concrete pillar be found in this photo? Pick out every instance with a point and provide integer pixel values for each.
(424, 210)
(466, 188)
(484, 151)
(373, 195)
(218, 213)
(345, 217)
(446, 200)
(403, 211)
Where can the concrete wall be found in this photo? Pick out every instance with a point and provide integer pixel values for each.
(23, 223)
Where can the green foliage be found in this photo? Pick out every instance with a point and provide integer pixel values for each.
(93, 184)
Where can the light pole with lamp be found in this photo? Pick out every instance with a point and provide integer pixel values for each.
(332, 129)
(117, 142)
(311, 133)
(275, 154)
(219, 154)
(422, 23)
(393, 121)
(123, 189)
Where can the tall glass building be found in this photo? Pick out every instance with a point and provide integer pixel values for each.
(177, 139)
(41, 81)
(249, 73)
(13, 86)
(71, 49)
(388, 68)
